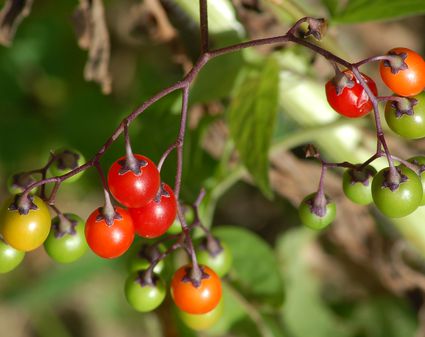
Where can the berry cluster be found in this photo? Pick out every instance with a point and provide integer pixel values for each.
(149, 207)
(149, 210)
(396, 190)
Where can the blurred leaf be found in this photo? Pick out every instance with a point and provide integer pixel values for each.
(384, 317)
(55, 283)
(255, 269)
(252, 117)
(232, 313)
(304, 313)
(217, 78)
(332, 6)
(368, 10)
(221, 15)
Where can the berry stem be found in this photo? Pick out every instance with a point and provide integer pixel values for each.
(393, 176)
(130, 160)
(108, 211)
(203, 15)
(389, 58)
(196, 272)
(180, 141)
(64, 225)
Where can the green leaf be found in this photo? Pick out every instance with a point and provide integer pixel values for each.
(55, 283)
(233, 312)
(251, 119)
(304, 312)
(216, 80)
(384, 317)
(332, 6)
(369, 10)
(254, 269)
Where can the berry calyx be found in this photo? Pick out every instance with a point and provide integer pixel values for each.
(146, 255)
(404, 75)
(66, 242)
(408, 122)
(357, 183)
(198, 299)
(18, 183)
(317, 214)
(109, 240)
(65, 160)
(142, 295)
(397, 199)
(130, 188)
(156, 217)
(24, 222)
(215, 254)
(346, 95)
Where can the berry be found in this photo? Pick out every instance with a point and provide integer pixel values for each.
(144, 296)
(407, 81)
(109, 240)
(309, 216)
(396, 200)
(408, 124)
(65, 160)
(196, 299)
(134, 189)
(10, 258)
(357, 185)
(25, 232)
(155, 218)
(351, 102)
(69, 246)
(420, 161)
(202, 322)
(143, 258)
(218, 256)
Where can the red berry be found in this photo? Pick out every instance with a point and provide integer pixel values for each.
(111, 240)
(130, 189)
(351, 102)
(156, 217)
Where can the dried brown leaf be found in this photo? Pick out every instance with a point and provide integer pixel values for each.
(92, 33)
(13, 12)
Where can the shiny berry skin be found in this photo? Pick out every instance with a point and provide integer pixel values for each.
(196, 300)
(351, 102)
(404, 199)
(109, 241)
(420, 161)
(130, 189)
(69, 246)
(25, 232)
(407, 82)
(156, 217)
(202, 321)
(144, 297)
(220, 262)
(357, 185)
(312, 220)
(10, 258)
(407, 126)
